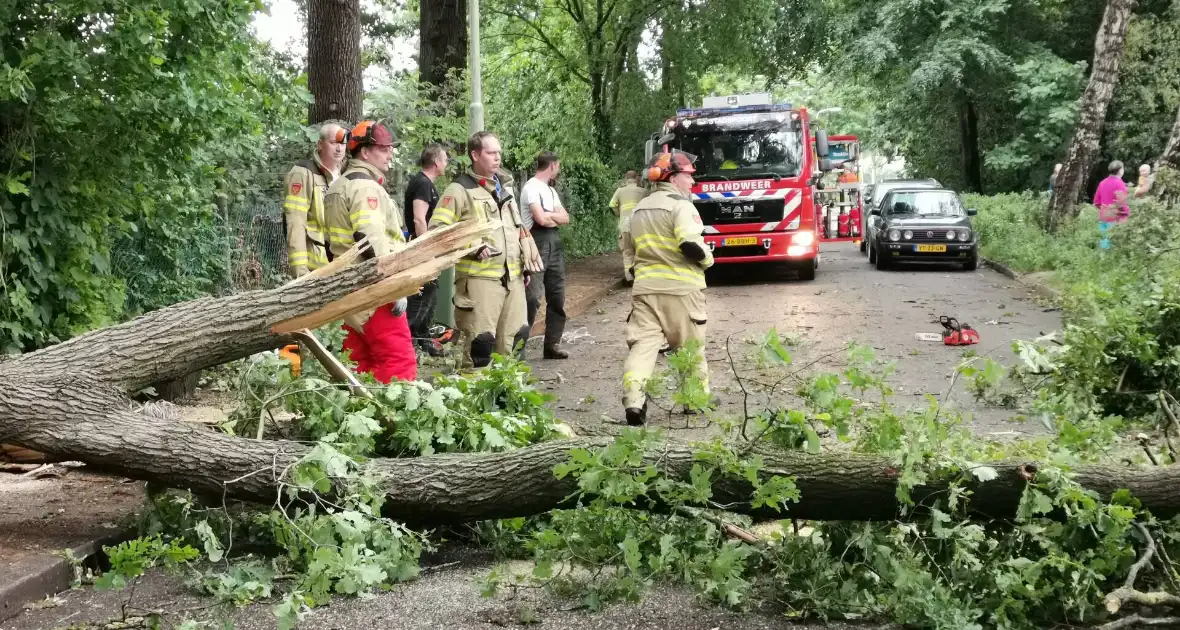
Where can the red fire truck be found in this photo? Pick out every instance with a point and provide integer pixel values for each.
(757, 164)
(839, 204)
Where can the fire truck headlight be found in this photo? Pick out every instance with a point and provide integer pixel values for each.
(908, 235)
(965, 235)
(950, 235)
(804, 238)
(894, 235)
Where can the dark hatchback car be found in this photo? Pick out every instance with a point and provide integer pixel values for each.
(923, 225)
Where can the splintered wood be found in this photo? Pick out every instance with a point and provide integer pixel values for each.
(405, 272)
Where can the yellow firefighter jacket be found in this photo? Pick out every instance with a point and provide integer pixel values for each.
(660, 224)
(303, 215)
(358, 206)
(473, 196)
(624, 201)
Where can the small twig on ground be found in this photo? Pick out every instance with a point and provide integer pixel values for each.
(1136, 620)
(1145, 442)
(745, 394)
(1171, 421)
(729, 528)
(1127, 593)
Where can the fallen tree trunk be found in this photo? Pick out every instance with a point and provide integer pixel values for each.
(71, 401)
(451, 489)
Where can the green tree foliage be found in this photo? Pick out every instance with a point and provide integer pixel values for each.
(120, 121)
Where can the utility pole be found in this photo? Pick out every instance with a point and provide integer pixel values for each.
(476, 118)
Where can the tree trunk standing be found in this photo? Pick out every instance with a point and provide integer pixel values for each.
(442, 40)
(969, 147)
(334, 60)
(1171, 154)
(599, 118)
(1108, 55)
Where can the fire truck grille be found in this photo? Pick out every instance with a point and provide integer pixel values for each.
(725, 212)
(935, 234)
(740, 250)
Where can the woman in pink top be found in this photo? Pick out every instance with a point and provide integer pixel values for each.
(1111, 196)
(1111, 200)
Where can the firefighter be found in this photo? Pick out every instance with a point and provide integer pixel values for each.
(623, 202)
(357, 206)
(490, 283)
(667, 297)
(303, 206)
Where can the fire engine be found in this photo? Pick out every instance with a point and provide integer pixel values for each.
(839, 204)
(757, 165)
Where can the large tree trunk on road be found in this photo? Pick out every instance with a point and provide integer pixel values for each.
(1108, 56)
(71, 401)
(69, 419)
(334, 61)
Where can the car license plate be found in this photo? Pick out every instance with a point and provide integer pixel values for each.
(740, 240)
(931, 248)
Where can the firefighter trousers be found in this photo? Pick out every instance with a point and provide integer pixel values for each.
(628, 260)
(550, 282)
(655, 317)
(383, 346)
(490, 315)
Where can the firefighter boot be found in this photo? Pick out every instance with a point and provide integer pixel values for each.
(637, 417)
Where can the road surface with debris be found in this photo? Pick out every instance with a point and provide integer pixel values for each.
(848, 301)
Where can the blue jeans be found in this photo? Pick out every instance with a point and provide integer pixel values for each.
(1103, 226)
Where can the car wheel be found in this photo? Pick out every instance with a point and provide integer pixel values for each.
(872, 255)
(882, 261)
(972, 264)
(863, 247)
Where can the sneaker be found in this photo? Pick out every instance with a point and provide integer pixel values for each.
(556, 353)
(636, 417)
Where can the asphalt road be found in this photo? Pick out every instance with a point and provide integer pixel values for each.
(849, 300)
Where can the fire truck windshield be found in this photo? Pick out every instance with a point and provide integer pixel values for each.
(743, 153)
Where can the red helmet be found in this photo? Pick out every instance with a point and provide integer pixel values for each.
(665, 165)
(371, 133)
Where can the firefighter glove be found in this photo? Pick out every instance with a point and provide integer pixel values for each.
(530, 253)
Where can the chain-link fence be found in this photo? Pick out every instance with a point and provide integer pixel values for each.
(256, 246)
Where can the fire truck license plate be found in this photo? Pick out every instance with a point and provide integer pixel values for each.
(931, 248)
(739, 240)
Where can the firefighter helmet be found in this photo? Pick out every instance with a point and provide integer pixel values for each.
(370, 133)
(664, 165)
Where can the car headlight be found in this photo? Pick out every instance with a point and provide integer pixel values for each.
(908, 234)
(950, 235)
(965, 235)
(804, 238)
(894, 235)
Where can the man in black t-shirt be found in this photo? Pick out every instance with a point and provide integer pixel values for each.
(421, 197)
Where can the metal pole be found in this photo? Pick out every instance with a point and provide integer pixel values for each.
(476, 82)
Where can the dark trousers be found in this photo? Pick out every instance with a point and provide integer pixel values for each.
(420, 310)
(551, 281)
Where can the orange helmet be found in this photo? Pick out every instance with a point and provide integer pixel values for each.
(665, 165)
(370, 133)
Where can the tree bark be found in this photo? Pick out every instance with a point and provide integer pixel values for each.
(334, 61)
(1171, 154)
(969, 146)
(68, 416)
(1108, 55)
(442, 40)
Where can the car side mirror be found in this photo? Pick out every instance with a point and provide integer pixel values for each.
(972, 212)
(875, 212)
(825, 165)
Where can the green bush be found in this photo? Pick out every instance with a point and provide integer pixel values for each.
(586, 186)
(1011, 231)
